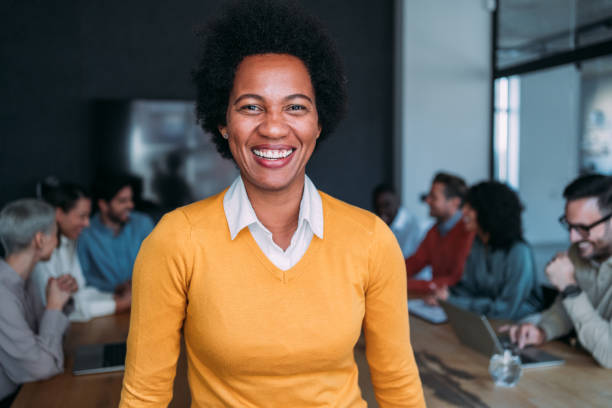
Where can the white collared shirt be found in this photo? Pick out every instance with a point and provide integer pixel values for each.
(240, 214)
(89, 302)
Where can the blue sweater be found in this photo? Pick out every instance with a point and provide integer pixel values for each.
(107, 259)
(499, 284)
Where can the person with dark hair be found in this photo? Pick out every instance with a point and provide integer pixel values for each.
(499, 279)
(30, 335)
(72, 209)
(107, 248)
(447, 244)
(405, 226)
(583, 274)
(270, 280)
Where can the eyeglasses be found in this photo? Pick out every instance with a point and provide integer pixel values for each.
(583, 230)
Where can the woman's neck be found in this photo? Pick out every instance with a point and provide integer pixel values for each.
(22, 262)
(278, 211)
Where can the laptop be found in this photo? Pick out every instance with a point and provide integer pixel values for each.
(475, 331)
(99, 358)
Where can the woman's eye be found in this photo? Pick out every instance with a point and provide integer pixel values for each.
(250, 108)
(296, 107)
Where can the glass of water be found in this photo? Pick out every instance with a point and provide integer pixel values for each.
(505, 368)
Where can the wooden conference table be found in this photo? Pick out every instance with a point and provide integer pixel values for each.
(452, 375)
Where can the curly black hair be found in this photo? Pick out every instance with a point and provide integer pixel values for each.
(498, 210)
(257, 27)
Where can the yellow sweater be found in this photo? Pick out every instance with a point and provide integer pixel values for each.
(257, 336)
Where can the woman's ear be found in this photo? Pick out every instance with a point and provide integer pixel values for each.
(223, 131)
(37, 241)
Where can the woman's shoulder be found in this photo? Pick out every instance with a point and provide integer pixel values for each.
(198, 212)
(351, 221)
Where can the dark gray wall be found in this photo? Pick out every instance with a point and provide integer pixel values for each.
(57, 57)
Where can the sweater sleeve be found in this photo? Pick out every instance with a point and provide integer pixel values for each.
(459, 256)
(26, 355)
(515, 284)
(421, 258)
(555, 322)
(159, 298)
(594, 332)
(395, 376)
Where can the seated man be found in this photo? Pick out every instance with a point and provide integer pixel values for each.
(108, 247)
(30, 336)
(447, 244)
(583, 275)
(404, 225)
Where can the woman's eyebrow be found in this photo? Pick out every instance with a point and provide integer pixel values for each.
(294, 96)
(245, 96)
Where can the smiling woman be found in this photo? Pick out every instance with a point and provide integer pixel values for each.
(271, 281)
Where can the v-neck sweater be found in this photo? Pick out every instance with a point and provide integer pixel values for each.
(257, 336)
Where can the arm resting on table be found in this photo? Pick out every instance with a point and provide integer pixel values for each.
(27, 356)
(594, 332)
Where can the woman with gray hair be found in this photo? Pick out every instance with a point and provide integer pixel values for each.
(30, 336)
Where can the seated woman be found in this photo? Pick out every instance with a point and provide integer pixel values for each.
(499, 279)
(30, 336)
(72, 208)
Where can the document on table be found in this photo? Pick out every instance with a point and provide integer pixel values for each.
(432, 314)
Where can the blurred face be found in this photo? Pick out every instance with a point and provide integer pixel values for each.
(48, 243)
(386, 206)
(440, 207)
(470, 218)
(595, 243)
(71, 223)
(272, 121)
(119, 208)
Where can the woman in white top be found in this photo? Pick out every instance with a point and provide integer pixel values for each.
(73, 207)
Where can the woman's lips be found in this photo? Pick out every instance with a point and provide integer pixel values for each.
(273, 157)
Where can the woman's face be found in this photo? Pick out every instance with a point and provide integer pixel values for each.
(272, 121)
(71, 223)
(470, 217)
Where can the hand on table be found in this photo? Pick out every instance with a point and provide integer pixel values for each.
(525, 334)
(439, 293)
(560, 271)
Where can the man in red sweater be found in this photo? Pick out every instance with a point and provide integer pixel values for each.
(447, 244)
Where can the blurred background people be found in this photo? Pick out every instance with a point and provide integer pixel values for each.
(169, 182)
(108, 247)
(30, 336)
(405, 226)
(499, 279)
(448, 242)
(583, 275)
(72, 209)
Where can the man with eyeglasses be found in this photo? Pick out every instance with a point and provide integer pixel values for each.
(583, 275)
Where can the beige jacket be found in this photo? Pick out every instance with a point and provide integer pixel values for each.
(589, 313)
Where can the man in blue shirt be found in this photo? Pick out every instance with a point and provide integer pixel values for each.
(107, 249)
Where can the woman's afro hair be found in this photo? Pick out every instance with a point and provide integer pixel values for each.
(257, 27)
(498, 210)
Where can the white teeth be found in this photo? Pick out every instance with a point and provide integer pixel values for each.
(273, 154)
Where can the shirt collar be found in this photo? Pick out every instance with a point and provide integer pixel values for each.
(240, 214)
(446, 226)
